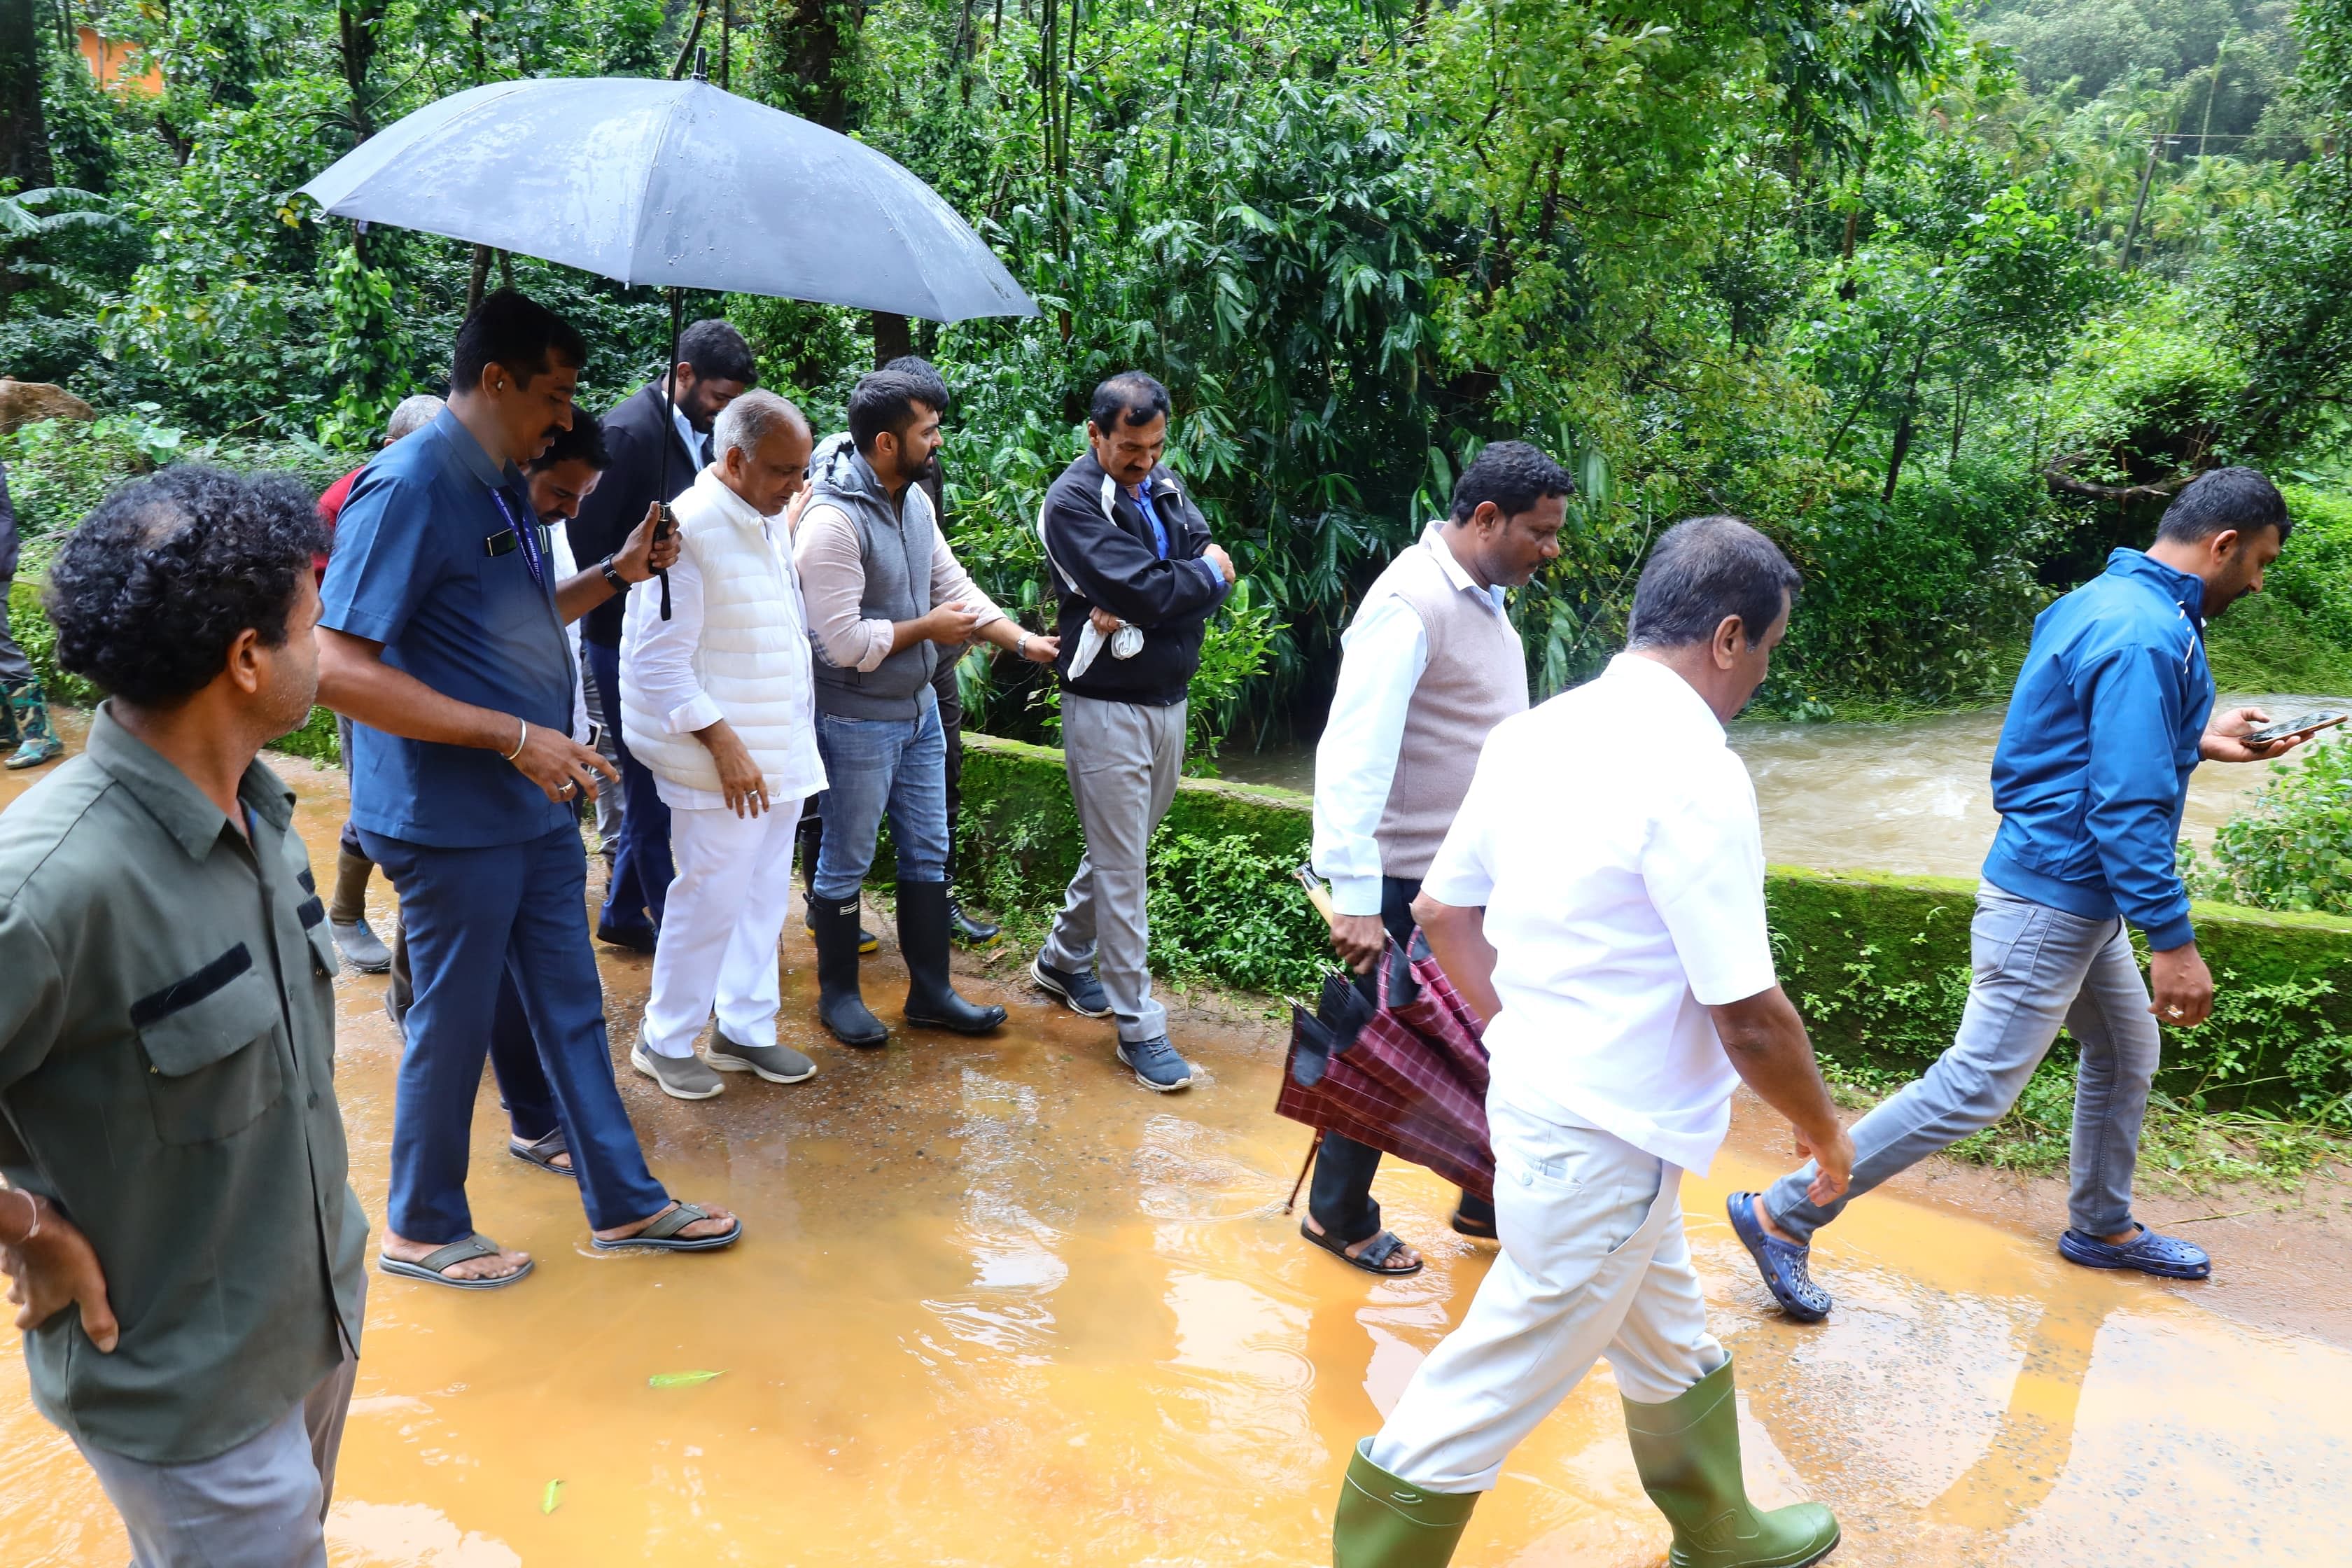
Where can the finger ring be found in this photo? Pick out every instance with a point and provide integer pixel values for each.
(569, 785)
(2174, 1011)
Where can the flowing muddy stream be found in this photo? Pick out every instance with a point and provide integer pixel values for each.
(1913, 798)
(999, 1306)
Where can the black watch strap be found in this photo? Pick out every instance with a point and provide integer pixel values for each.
(613, 575)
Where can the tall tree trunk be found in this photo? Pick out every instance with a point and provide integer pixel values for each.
(892, 337)
(24, 132)
(355, 26)
(810, 46)
(477, 278)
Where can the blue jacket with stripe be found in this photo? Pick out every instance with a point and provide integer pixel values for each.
(2093, 767)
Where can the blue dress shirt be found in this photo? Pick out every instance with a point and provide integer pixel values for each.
(427, 561)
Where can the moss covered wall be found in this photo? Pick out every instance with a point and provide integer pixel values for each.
(1878, 965)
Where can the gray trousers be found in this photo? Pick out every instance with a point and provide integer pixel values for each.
(1124, 760)
(263, 1504)
(2036, 968)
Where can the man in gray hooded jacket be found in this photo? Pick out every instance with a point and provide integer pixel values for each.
(883, 591)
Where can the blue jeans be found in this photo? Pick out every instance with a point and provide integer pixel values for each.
(2036, 968)
(871, 766)
(639, 884)
(479, 920)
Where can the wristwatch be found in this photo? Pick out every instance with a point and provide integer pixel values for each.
(613, 575)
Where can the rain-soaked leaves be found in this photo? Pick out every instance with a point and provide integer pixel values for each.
(551, 1497)
(678, 1379)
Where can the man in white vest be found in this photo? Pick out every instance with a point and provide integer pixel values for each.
(716, 703)
(1429, 666)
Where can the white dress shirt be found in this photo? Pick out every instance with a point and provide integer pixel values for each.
(1383, 654)
(661, 655)
(1612, 837)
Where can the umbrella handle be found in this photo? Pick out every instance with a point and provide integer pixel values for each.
(663, 528)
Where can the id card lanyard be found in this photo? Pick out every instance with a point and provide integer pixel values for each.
(526, 539)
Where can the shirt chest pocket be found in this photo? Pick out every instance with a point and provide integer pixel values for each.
(211, 1043)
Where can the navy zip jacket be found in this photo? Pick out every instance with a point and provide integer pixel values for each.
(1105, 554)
(2094, 757)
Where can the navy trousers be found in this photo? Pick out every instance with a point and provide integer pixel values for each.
(481, 922)
(642, 870)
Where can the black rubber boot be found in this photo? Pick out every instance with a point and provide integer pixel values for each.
(970, 931)
(839, 1004)
(931, 999)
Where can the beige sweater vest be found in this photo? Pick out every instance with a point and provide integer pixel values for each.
(1476, 677)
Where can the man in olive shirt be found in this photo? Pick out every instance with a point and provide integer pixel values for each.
(181, 1234)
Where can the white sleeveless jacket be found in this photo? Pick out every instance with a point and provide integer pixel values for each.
(750, 655)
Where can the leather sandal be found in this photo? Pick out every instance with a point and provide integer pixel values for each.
(1373, 1259)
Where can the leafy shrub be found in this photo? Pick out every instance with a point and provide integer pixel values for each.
(59, 468)
(1224, 909)
(2292, 850)
(2296, 634)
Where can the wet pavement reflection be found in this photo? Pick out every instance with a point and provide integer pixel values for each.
(997, 1305)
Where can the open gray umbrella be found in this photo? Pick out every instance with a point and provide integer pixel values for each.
(676, 183)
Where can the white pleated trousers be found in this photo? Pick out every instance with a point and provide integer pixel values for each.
(720, 929)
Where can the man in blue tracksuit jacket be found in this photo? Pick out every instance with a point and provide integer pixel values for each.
(2110, 717)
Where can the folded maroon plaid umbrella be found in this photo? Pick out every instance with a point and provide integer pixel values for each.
(1409, 1078)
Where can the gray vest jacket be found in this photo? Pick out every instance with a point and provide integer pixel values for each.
(895, 547)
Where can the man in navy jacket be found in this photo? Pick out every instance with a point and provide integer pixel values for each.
(1138, 579)
(2110, 717)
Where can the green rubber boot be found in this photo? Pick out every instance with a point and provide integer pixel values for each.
(1384, 1522)
(1687, 1451)
(36, 742)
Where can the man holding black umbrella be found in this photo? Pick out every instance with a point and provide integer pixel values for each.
(443, 635)
(714, 366)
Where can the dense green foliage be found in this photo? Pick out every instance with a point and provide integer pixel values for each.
(2292, 850)
(1945, 297)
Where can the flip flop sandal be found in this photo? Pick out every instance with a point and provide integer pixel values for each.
(429, 1266)
(1477, 1230)
(1787, 1269)
(542, 1154)
(2166, 1255)
(1373, 1259)
(662, 1236)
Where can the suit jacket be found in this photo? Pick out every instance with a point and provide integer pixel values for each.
(634, 433)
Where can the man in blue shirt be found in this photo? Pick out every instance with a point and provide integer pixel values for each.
(2110, 717)
(443, 636)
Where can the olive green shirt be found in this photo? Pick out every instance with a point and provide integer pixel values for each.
(167, 1056)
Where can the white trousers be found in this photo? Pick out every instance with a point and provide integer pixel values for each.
(719, 931)
(1593, 1263)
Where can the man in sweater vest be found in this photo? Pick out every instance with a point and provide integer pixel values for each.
(1429, 666)
(1139, 580)
(884, 593)
(715, 705)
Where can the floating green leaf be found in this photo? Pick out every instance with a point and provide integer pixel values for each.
(551, 1497)
(678, 1379)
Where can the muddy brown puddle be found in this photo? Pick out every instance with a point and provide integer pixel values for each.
(999, 1305)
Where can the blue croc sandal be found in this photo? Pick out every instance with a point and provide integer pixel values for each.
(1784, 1266)
(2148, 1252)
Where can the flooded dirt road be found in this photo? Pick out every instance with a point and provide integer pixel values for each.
(997, 1305)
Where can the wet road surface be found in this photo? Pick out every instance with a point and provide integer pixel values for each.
(999, 1305)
